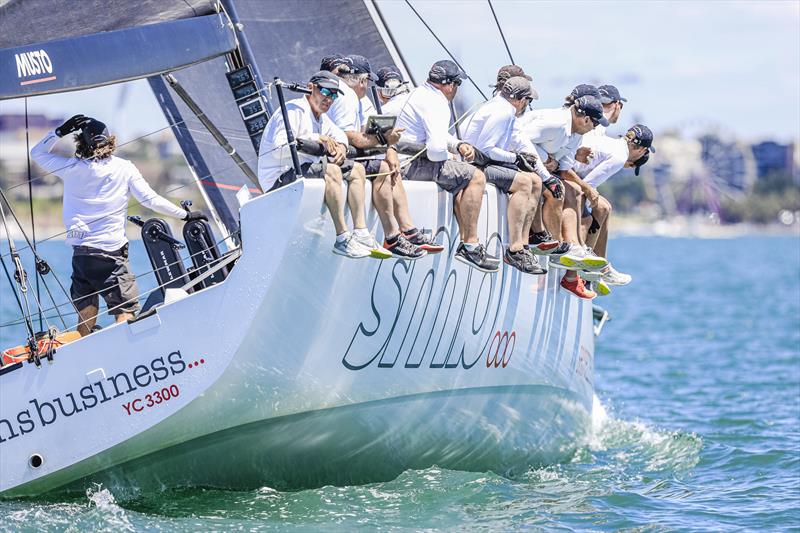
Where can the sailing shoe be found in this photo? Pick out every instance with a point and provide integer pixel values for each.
(576, 287)
(592, 261)
(477, 258)
(375, 250)
(523, 261)
(582, 258)
(596, 281)
(424, 240)
(602, 288)
(403, 249)
(561, 249)
(613, 277)
(350, 247)
(542, 243)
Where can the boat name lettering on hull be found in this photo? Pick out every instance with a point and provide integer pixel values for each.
(44, 412)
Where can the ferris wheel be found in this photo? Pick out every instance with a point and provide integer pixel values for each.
(698, 165)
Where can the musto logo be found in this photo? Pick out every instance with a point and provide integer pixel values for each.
(34, 63)
(148, 375)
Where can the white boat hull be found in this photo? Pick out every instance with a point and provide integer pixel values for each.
(308, 368)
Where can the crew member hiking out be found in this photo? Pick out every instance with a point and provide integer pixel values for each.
(309, 121)
(97, 187)
(491, 130)
(425, 118)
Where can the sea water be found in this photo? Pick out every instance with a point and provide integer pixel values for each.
(697, 425)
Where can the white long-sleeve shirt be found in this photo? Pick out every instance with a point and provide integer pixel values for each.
(610, 155)
(491, 129)
(426, 119)
(396, 104)
(551, 131)
(274, 156)
(96, 195)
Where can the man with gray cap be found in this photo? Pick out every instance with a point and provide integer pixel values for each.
(426, 119)
(491, 130)
(309, 122)
(505, 73)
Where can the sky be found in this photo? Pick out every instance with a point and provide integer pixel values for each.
(689, 65)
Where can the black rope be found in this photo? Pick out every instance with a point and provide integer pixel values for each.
(30, 205)
(445, 49)
(501, 33)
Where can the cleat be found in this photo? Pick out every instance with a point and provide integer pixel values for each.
(375, 250)
(424, 240)
(577, 287)
(403, 249)
(350, 247)
(523, 261)
(477, 258)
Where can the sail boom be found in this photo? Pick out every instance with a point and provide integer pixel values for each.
(112, 57)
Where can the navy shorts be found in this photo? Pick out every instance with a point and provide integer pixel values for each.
(98, 273)
(452, 176)
(501, 176)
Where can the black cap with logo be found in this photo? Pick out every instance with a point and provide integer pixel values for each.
(640, 135)
(94, 133)
(360, 65)
(591, 107)
(610, 94)
(445, 71)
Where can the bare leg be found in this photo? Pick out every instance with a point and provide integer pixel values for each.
(401, 213)
(88, 318)
(533, 206)
(382, 200)
(599, 240)
(355, 195)
(519, 201)
(334, 197)
(551, 214)
(122, 317)
(468, 206)
(570, 217)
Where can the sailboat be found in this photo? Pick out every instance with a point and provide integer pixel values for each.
(298, 368)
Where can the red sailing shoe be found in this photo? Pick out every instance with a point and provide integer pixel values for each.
(577, 287)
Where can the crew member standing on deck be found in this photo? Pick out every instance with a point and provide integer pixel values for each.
(97, 187)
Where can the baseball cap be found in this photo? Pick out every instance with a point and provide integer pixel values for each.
(610, 94)
(445, 71)
(94, 132)
(639, 162)
(518, 87)
(388, 73)
(327, 80)
(590, 106)
(640, 135)
(510, 71)
(360, 65)
(584, 89)
(332, 61)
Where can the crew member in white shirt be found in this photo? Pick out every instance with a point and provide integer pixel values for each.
(426, 119)
(557, 132)
(491, 130)
(391, 88)
(609, 156)
(351, 113)
(308, 121)
(97, 186)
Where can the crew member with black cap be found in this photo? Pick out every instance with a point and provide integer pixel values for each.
(97, 187)
(309, 122)
(391, 88)
(610, 155)
(557, 132)
(612, 107)
(491, 130)
(426, 119)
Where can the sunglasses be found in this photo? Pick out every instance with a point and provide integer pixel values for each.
(329, 93)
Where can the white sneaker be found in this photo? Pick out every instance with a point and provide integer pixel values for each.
(350, 247)
(376, 250)
(613, 277)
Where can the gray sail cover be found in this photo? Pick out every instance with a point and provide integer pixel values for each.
(288, 39)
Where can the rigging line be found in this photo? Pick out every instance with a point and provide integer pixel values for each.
(19, 274)
(445, 49)
(501, 33)
(30, 203)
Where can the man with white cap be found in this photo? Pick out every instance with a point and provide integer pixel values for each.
(426, 119)
(308, 121)
(610, 155)
(491, 130)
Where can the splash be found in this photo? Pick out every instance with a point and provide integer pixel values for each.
(107, 509)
